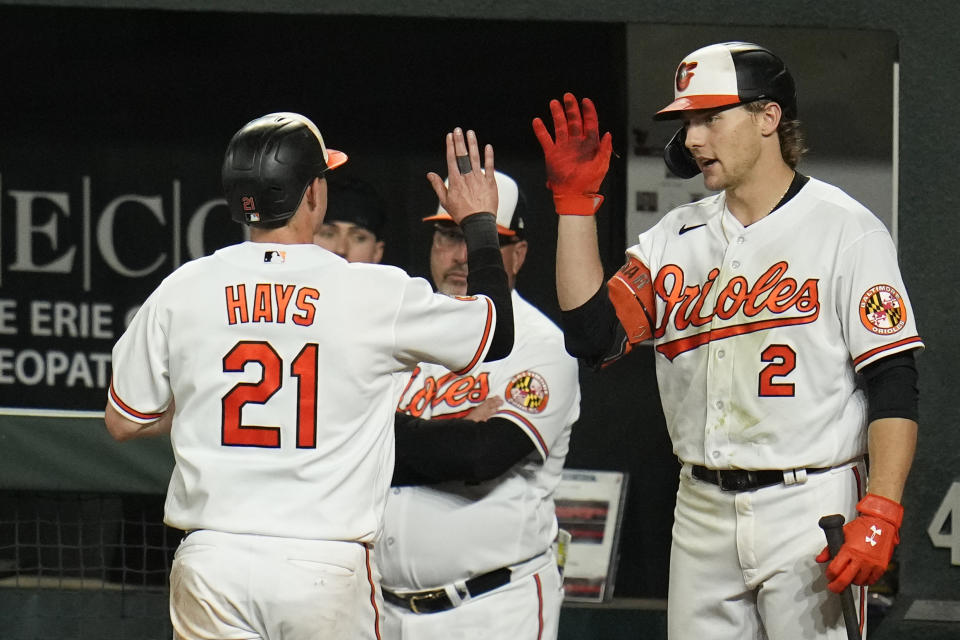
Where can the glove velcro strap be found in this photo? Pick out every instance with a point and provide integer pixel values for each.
(577, 204)
(880, 507)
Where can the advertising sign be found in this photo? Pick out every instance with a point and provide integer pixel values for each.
(79, 255)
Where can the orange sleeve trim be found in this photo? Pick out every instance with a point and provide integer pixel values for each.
(130, 410)
(487, 332)
(915, 340)
(530, 426)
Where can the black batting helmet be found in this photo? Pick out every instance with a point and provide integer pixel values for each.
(724, 75)
(268, 165)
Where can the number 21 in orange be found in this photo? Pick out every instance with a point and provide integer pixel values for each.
(304, 368)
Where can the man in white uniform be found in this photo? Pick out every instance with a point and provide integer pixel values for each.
(271, 364)
(783, 338)
(467, 549)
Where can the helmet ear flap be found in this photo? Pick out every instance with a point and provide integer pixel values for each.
(678, 158)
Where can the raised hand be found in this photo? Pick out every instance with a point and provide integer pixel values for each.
(468, 190)
(578, 158)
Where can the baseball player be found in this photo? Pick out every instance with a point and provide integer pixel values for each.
(353, 226)
(271, 364)
(783, 338)
(467, 548)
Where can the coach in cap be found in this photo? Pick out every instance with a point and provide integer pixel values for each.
(470, 524)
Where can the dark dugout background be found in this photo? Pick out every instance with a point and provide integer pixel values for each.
(107, 106)
(138, 105)
(139, 99)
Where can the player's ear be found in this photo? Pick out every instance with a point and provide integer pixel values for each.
(315, 194)
(378, 252)
(770, 118)
(520, 254)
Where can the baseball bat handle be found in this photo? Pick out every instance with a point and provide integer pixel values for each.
(832, 526)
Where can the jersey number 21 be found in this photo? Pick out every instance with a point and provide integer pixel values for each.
(304, 368)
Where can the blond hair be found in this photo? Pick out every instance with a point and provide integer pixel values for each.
(793, 144)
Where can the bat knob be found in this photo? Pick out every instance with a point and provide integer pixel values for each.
(832, 526)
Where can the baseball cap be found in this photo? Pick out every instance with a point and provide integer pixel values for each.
(511, 207)
(356, 202)
(728, 74)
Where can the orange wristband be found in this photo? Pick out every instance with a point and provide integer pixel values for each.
(577, 204)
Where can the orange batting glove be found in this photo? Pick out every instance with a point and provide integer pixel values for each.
(869, 540)
(578, 159)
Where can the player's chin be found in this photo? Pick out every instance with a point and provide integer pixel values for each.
(454, 285)
(714, 181)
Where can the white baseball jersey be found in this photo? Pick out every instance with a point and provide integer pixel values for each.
(439, 534)
(281, 360)
(760, 329)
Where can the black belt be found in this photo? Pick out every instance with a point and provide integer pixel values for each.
(742, 479)
(435, 600)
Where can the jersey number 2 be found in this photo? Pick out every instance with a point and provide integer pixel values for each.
(782, 361)
(304, 368)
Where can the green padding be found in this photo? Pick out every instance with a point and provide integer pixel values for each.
(612, 624)
(83, 615)
(77, 454)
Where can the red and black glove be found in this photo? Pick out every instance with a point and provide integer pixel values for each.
(578, 159)
(869, 540)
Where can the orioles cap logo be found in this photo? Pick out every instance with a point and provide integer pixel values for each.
(685, 75)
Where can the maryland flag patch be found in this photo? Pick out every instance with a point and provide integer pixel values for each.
(882, 310)
(528, 392)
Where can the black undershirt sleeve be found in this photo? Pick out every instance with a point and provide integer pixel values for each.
(432, 451)
(486, 276)
(592, 332)
(891, 385)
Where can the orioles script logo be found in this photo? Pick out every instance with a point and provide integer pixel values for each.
(772, 292)
(451, 390)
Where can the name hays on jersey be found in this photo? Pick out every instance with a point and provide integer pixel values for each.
(271, 302)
